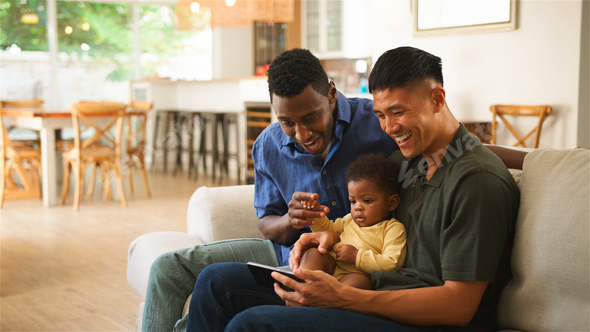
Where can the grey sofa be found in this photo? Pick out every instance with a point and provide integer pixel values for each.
(550, 261)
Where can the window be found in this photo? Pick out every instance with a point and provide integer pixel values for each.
(96, 46)
(23, 26)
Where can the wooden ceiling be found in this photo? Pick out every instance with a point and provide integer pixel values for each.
(244, 12)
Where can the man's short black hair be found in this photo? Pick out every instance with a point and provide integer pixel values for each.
(292, 71)
(403, 67)
(375, 168)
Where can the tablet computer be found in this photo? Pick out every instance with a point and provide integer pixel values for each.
(261, 274)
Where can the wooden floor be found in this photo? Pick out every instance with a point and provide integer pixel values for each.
(66, 271)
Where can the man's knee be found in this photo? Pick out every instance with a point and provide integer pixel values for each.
(208, 275)
(172, 268)
(162, 264)
(250, 321)
(219, 274)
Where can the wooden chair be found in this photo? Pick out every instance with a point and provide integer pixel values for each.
(540, 111)
(104, 148)
(136, 140)
(30, 103)
(21, 161)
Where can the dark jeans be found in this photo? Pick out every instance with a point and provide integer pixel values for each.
(226, 298)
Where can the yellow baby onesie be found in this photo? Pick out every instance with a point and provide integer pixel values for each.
(381, 246)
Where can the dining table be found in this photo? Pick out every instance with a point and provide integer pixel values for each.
(46, 121)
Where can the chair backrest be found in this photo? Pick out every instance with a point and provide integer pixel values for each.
(83, 114)
(540, 111)
(3, 139)
(6, 145)
(21, 103)
(11, 164)
(139, 109)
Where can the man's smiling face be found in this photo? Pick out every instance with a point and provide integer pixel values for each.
(407, 115)
(308, 118)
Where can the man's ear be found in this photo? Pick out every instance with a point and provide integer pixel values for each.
(439, 97)
(393, 202)
(332, 93)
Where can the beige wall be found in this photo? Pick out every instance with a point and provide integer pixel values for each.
(538, 63)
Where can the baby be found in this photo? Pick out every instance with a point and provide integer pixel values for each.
(370, 239)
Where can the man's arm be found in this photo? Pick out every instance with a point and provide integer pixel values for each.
(285, 229)
(454, 303)
(510, 157)
(276, 229)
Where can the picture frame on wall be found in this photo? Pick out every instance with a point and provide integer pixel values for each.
(439, 17)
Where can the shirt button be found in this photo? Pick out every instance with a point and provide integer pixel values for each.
(324, 172)
(333, 203)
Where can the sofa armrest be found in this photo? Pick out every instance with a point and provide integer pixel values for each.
(144, 250)
(222, 213)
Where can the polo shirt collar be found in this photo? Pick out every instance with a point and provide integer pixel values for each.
(342, 121)
(457, 144)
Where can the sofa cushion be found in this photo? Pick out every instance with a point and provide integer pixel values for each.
(516, 174)
(222, 213)
(550, 259)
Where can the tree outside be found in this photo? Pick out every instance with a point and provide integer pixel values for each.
(104, 32)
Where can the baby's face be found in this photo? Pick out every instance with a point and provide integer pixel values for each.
(368, 204)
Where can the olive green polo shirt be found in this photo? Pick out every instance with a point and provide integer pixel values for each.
(459, 224)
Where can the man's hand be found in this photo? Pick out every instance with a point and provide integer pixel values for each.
(453, 303)
(285, 229)
(302, 209)
(319, 290)
(346, 253)
(322, 240)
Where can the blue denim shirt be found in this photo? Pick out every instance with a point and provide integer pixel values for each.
(283, 167)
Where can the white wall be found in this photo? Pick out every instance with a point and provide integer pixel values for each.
(233, 52)
(538, 63)
(78, 79)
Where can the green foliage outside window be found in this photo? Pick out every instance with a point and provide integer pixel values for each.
(109, 34)
(30, 37)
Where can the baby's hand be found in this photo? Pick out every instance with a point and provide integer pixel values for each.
(346, 253)
(310, 204)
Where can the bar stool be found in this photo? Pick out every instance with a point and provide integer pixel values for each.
(179, 124)
(196, 123)
(180, 119)
(221, 123)
(176, 117)
(202, 152)
(227, 119)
